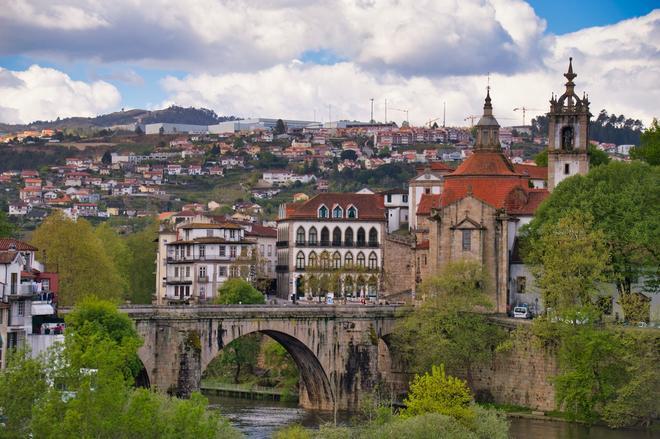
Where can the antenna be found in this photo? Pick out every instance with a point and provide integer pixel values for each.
(488, 86)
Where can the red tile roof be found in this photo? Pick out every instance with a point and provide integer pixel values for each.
(7, 257)
(369, 206)
(535, 172)
(8, 243)
(428, 202)
(259, 230)
(424, 245)
(485, 163)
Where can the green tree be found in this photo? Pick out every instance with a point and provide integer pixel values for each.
(439, 393)
(7, 229)
(348, 154)
(141, 272)
(238, 291)
(541, 159)
(107, 158)
(596, 157)
(448, 328)
(76, 253)
(649, 148)
(280, 127)
(116, 248)
(624, 202)
(569, 259)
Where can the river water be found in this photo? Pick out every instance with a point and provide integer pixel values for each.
(260, 419)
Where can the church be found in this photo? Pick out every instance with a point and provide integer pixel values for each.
(477, 210)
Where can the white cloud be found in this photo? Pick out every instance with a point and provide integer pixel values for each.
(40, 93)
(617, 66)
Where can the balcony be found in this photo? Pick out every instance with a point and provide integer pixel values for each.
(373, 244)
(179, 280)
(203, 279)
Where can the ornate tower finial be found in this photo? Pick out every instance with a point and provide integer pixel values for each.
(570, 75)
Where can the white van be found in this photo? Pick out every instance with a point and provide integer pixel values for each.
(521, 312)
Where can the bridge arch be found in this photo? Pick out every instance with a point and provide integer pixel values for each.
(315, 388)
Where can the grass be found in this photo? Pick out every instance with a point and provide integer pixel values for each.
(507, 408)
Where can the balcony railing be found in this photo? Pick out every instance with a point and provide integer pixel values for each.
(179, 280)
(203, 279)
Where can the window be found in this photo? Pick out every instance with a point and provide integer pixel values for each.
(404, 198)
(188, 250)
(361, 237)
(209, 232)
(467, 240)
(313, 260)
(389, 198)
(222, 271)
(336, 237)
(202, 271)
(187, 290)
(337, 212)
(223, 251)
(187, 271)
(300, 236)
(373, 261)
(348, 260)
(521, 283)
(325, 236)
(348, 237)
(202, 251)
(270, 249)
(323, 212)
(300, 260)
(567, 138)
(234, 271)
(232, 233)
(348, 286)
(336, 260)
(176, 271)
(352, 212)
(313, 238)
(427, 190)
(21, 308)
(325, 260)
(567, 169)
(232, 251)
(360, 260)
(373, 237)
(262, 249)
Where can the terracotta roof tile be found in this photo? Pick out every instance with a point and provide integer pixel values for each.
(369, 206)
(15, 244)
(485, 163)
(428, 202)
(7, 257)
(535, 172)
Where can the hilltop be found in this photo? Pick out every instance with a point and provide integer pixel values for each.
(173, 114)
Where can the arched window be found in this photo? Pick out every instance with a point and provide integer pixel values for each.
(360, 260)
(336, 237)
(325, 236)
(313, 260)
(373, 261)
(325, 260)
(348, 237)
(300, 236)
(300, 260)
(361, 237)
(313, 239)
(567, 138)
(337, 212)
(373, 237)
(348, 260)
(352, 212)
(336, 260)
(372, 286)
(360, 284)
(323, 212)
(348, 286)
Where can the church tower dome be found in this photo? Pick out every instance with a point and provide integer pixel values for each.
(488, 130)
(568, 133)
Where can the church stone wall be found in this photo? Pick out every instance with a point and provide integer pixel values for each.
(398, 265)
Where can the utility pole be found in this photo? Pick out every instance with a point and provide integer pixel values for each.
(385, 110)
(372, 111)
(329, 113)
(444, 113)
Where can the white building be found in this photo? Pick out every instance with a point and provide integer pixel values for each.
(429, 181)
(175, 128)
(396, 205)
(331, 243)
(285, 177)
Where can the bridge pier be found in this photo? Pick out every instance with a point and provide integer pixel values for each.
(340, 351)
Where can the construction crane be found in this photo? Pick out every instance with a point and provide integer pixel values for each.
(433, 120)
(403, 111)
(524, 111)
(471, 119)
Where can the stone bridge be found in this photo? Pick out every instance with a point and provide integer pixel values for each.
(342, 352)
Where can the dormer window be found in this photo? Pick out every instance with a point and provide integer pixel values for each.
(352, 212)
(337, 212)
(323, 212)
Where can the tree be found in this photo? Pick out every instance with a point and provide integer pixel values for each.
(568, 260)
(73, 250)
(439, 393)
(107, 158)
(624, 202)
(649, 148)
(7, 229)
(116, 248)
(238, 291)
(280, 127)
(541, 159)
(141, 246)
(348, 154)
(448, 327)
(596, 157)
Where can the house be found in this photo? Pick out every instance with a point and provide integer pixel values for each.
(194, 170)
(86, 209)
(30, 193)
(19, 208)
(215, 171)
(173, 169)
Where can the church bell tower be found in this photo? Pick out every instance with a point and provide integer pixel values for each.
(568, 133)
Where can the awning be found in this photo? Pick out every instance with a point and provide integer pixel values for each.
(42, 309)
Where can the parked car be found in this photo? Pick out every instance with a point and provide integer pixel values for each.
(521, 312)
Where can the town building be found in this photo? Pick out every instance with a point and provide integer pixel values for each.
(396, 206)
(332, 242)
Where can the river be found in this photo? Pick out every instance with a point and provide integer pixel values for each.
(260, 419)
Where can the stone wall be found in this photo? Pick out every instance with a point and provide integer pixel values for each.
(398, 265)
(521, 375)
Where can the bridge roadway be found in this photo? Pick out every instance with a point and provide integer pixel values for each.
(342, 351)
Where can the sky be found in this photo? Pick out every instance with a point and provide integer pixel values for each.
(326, 59)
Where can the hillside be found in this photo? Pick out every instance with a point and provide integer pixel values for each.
(173, 114)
